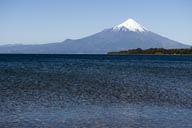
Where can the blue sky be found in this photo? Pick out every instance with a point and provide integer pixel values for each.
(45, 21)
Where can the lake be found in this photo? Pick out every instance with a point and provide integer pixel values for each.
(83, 91)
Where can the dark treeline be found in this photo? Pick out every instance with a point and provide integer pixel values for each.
(154, 51)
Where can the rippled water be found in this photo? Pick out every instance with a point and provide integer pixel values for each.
(95, 91)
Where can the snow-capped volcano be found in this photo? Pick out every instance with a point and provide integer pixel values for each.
(127, 35)
(130, 25)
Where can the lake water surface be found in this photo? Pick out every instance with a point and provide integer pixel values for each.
(95, 91)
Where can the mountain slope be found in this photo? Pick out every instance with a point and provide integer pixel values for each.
(128, 35)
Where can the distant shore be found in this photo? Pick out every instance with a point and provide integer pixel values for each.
(153, 51)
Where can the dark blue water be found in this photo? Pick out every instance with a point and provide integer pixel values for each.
(67, 91)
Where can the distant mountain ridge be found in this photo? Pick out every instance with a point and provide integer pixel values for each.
(127, 35)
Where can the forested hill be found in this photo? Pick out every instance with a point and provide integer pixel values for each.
(156, 51)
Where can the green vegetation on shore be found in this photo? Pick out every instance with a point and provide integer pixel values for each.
(156, 51)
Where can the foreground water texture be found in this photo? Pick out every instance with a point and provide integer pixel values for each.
(94, 91)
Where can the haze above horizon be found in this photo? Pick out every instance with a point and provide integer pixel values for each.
(45, 21)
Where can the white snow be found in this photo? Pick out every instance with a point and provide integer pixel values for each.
(130, 25)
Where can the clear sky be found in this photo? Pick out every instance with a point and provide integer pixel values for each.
(45, 21)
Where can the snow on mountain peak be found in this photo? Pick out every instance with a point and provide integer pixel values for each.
(130, 25)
